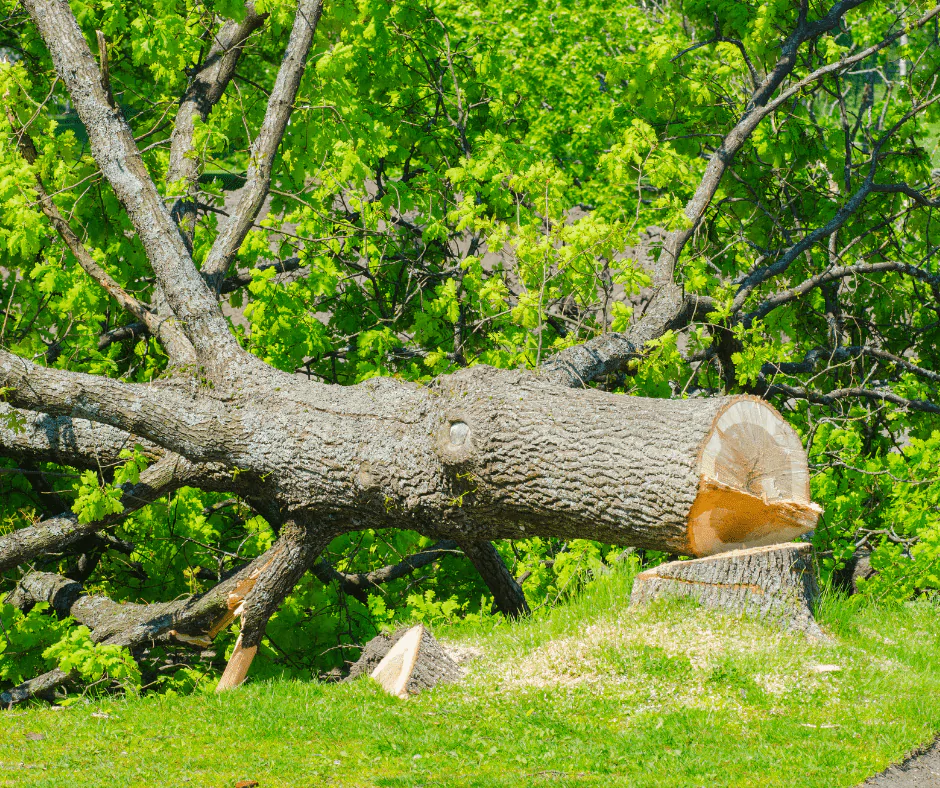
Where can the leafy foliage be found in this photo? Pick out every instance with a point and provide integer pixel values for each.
(25, 640)
(473, 182)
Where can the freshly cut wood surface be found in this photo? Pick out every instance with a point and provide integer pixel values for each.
(776, 583)
(237, 667)
(414, 661)
(754, 487)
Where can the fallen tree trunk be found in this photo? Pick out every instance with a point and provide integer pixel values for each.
(775, 583)
(692, 477)
(482, 454)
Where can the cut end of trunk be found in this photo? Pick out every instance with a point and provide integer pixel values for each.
(395, 668)
(754, 482)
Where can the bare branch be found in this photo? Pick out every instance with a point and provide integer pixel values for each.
(266, 144)
(902, 188)
(119, 334)
(831, 275)
(360, 584)
(577, 366)
(243, 278)
(206, 87)
(814, 358)
(833, 397)
(114, 149)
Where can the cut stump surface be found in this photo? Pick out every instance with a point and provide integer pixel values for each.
(775, 583)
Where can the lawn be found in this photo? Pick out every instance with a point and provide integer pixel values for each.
(589, 693)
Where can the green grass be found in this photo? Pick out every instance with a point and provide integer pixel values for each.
(589, 693)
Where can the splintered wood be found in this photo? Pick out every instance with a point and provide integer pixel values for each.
(774, 583)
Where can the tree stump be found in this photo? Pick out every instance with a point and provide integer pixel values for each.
(406, 663)
(775, 583)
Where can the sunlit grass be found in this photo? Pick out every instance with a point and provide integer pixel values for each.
(589, 693)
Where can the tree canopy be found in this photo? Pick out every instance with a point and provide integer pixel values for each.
(709, 197)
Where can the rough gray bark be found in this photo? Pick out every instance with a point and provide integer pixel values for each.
(298, 549)
(112, 144)
(169, 416)
(482, 454)
(857, 568)
(264, 148)
(35, 436)
(206, 86)
(133, 625)
(40, 687)
(192, 620)
(373, 653)
(775, 583)
(60, 592)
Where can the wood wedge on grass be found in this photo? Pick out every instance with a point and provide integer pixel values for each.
(407, 662)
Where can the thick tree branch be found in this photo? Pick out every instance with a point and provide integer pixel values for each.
(579, 365)
(298, 548)
(40, 687)
(205, 88)
(507, 593)
(114, 149)
(200, 429)
(191, 620)
(264, 148)
(32, 435)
